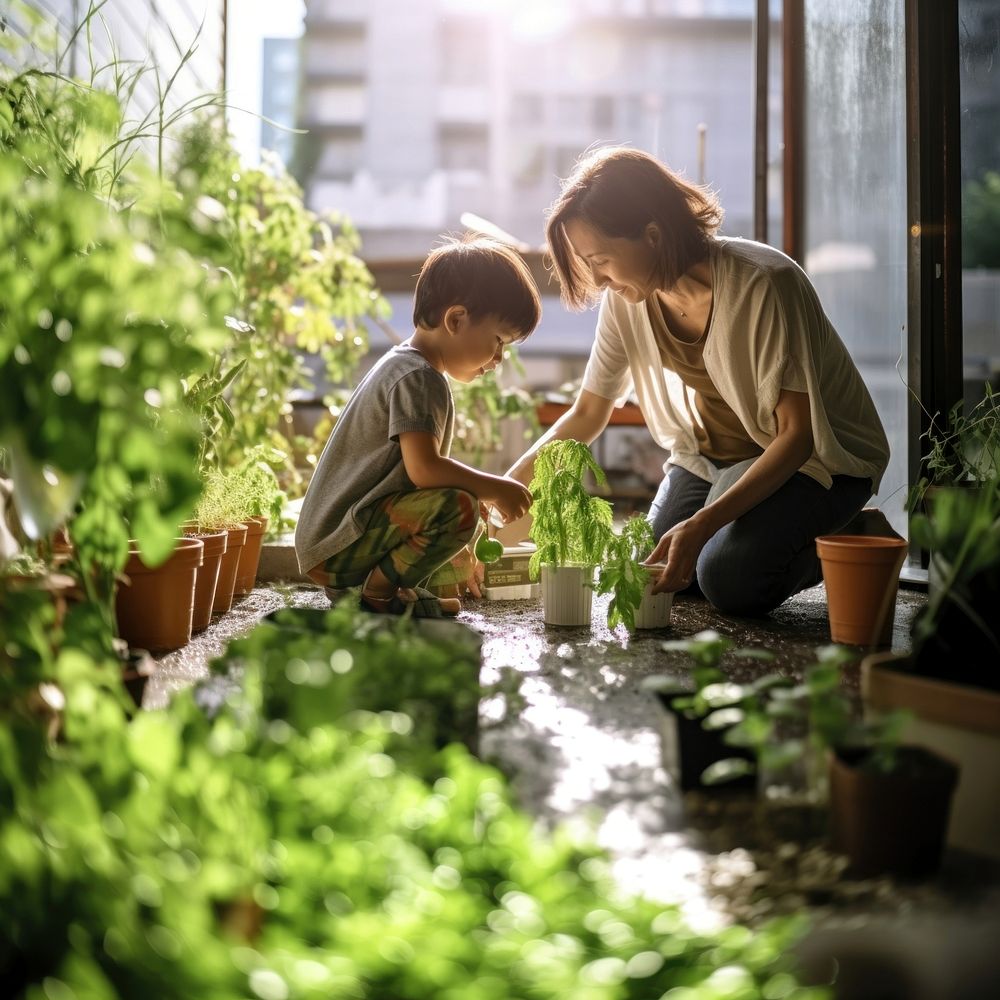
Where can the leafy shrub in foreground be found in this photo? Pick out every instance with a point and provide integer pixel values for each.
(254, 849)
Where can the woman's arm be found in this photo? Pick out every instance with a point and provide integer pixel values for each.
(781, 459)
(583, 421)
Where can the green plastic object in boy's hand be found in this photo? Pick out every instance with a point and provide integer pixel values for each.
(488, 549)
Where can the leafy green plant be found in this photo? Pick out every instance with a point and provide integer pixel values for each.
(956, 631)
(568, 524)
(781, 722)
(110, 299)
(300, 286)
(251, 840)
(231, 495)
(621, 572)
(963, 450)
(205, 396)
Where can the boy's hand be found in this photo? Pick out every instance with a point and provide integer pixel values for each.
(511, 498)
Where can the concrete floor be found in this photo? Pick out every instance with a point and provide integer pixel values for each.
(584, 747)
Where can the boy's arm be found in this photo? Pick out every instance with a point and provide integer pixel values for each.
(429, 469)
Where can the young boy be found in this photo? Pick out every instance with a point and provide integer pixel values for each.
(386, 506)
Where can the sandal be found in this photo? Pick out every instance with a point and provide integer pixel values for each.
(425, 606)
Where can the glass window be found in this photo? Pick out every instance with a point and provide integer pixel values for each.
(855, 211)
(979, 80)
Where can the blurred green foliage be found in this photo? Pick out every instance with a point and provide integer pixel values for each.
(108, 301)
(274, 837)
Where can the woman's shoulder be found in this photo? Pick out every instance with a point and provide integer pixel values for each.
(751, 260)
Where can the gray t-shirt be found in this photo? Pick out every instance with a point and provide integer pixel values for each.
(362, 461)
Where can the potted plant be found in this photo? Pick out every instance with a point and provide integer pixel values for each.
(887, 798)
(623, 574)
(219, 509)
(693, 754)
(253, 487)
(570, 528)
(961, 451)
(949, 681)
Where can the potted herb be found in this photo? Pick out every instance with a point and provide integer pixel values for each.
(219, 509)
(693, 754)
(887, 801)
(570, 528)
(254, 488)
(623, 574)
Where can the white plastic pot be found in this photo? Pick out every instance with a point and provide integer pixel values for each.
(567, 594)
(654, 609)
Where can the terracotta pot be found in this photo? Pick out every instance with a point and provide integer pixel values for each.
(208, 575)
(654, 609)
(567, 594)
(246, 573)
(891, 823)
(236, 539)
(155, 605)
(861, 573)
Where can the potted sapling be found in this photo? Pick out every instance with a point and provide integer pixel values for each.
(624, 575)
(570, 528)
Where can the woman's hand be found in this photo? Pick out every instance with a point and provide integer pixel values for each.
(679, 548)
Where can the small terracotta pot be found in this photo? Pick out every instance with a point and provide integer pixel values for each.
(208, 575)
(892, 823)
(237, 536)
(154, 605)
(861, 573)
(246, 573)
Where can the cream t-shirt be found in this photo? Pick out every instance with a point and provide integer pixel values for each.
(767, 332)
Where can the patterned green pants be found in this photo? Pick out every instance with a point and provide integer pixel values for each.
(416, 539)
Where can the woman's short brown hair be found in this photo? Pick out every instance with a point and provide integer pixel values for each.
(620, 191)
(486, 276)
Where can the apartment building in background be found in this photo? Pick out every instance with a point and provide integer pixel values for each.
(421, 110)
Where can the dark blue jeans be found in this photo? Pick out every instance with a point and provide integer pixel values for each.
(764, 557)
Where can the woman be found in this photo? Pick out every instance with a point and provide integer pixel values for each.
(773, 436)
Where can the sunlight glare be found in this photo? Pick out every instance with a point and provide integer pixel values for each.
(532, 20)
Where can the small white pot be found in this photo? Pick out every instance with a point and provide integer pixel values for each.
(567, 594)
(654, 609)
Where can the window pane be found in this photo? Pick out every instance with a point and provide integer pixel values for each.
(979, 40)
(855, 234)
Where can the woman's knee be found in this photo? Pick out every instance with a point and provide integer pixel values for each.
(739, 580)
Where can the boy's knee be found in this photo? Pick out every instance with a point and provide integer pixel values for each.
(463, 514)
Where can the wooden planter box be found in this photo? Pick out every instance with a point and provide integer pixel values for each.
(957, 721)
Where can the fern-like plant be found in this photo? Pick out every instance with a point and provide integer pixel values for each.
(568, 524)
(621, 573)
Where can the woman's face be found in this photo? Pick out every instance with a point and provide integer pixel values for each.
(628, 267)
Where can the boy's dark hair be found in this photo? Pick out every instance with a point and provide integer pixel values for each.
(620, 191)
(486, 276)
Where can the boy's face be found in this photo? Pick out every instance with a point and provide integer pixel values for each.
(475, 347)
